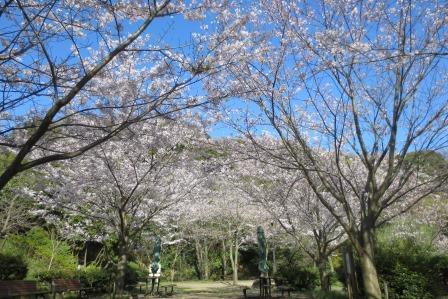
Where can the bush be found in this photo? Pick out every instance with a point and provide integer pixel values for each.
(405, 283)
(296, 270)
(329, 295)
(300, 278)
(411, 270)
(49, 275)
(45, 254)
(306, 279)
(135, 273)
(12, 267)
(94, 276)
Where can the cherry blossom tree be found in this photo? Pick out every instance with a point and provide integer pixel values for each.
(427, 222)
(128, 182)
(350, 89)
(239, 212)
(237, 218)
(62, 62)
(222, 213)
(291, 202)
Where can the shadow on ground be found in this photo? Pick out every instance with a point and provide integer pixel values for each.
(220, 289)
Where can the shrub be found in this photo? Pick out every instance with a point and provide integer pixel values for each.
(12, 267)
(135, 273)
(296, 270)
(405, 283)
(45, 254)
(411, 270)
(318, 294)
(306, 278)
(49, 275)
(94, 276)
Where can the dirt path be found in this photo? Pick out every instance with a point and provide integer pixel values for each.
(219, 289)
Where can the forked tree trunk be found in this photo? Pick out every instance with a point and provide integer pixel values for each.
(202, 259)
(234, 261)
(199, 259)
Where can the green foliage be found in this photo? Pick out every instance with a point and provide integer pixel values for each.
(94, 276)
(46, 255)
(185, 262)
(411, 270)
(305, 278)
(26, 178)
(430, 162)
(319, 294)
(48, 275)
(135, 273)
(207, 153)
(14, 203)
(296, 271)
(12, 267)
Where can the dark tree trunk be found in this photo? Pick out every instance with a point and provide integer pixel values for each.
(223, 259)
(122, 263)
(324, 274)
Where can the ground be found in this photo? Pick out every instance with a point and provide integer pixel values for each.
(219, 289)
(209, 290)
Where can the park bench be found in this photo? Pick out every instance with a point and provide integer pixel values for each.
(166, 287)
(66, 285)
(285, 288)
(264, 288)
(135, 287)
(17, 288)
(244, 289)
(282, 287)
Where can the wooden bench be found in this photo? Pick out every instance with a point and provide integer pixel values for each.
(244, 289)
(263, 285)
(66, 285)
(140, 287)
(166, 286)
(284, 289)
(16, 288)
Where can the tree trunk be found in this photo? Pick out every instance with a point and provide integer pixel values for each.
(370, 279)
(199, 268)
(223, 259)
(274, 262)
(202, 265)
(330, 263)
(235, 265)
(173, 267)
(323, 274)
(121, 269)
(85, 255)
(205, 262)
